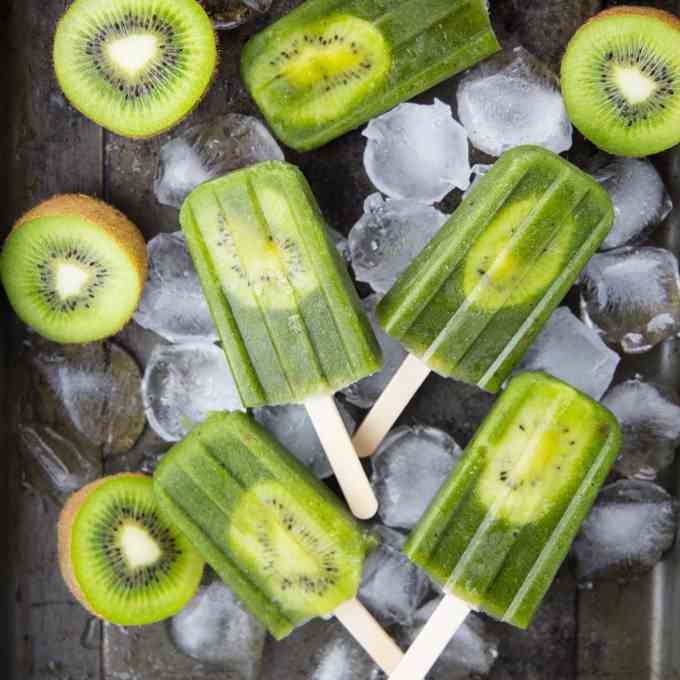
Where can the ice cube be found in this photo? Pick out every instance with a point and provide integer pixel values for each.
(291, 425)
(569, 350)
(91, 391)
(632, 524)
(227, 15)
(639, 196)
(472, 651)
(54, 464)
(341, 243)
(173, 304)
(649, 416)
(408, 468)
(208, 150)
(392, 587)
(388, 237)
(477, 172)
(513, 99)
(343, 659)
(183, 384)
(366, 392)
(417, 152)
(631, 296)
(214, 628)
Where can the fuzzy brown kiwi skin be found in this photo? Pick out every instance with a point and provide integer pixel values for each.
(65, 529)
(105, 217)
(635, 11)
(208, 87)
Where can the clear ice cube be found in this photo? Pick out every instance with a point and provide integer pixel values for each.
(173, 304)
(217, 630)
(631, 296)
(343, 659)
(366, 392)
(471, 653)
(639, 196)
(183, 384)
(209, 150)
(408, 468)
(417, 152)
(388, 237)
(392, 587)
(632, 524)
(569, 350)
(291, 425)
(513, 99)
(649, 416)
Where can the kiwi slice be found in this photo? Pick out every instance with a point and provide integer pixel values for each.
(290, 548)
(621, 80)
(135, 67)
(536, 459)
(74, 269)
(315, 73)
(119, 558)
(497, 273)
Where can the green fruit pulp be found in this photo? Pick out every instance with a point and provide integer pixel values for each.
(409, 46)
(286, 311)
(472, 302)
(259, 517)
(500, 527)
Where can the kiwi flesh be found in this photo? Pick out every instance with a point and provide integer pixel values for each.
(74, 268)
(621, 80)
(135, 67)
(309, 561)
(313, 74)
(119, 558)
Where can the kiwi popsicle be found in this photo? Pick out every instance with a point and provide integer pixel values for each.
(285, 308)
(331, 65)
(500, 527)
(277, 536)
(472, 302)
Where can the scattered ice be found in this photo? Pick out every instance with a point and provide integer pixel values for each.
(472, 652)
(569, 350)
(649, 416)
(388, 237)
(173, 304)
(632, 296)
(215, 629)
(227, 15)
(513, 99)
(341, 658)
(183, 384)
(92, 391)
(292, 426)
(408, 468)
(630, 527)
(366, 392)
(392, 587)
(640, 199)
(54, 464)
(341, 243)
(208, 150)
(477, 172)
(417, 152)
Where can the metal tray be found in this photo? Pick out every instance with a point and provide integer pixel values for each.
(611, 632)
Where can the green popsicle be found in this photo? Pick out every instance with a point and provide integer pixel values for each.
(331, 65)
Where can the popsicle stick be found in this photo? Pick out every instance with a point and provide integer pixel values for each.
(369, 634)
(432, 640)
(342, 456)
(394, 399)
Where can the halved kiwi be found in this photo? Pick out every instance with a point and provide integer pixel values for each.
(119, 558)
(290, 547)
(313, 73)
(135, 67)
(74, 268)
(621, 80)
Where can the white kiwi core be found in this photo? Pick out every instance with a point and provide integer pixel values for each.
(70, 280)
(635, 85)
(138, 547)
(133, 53)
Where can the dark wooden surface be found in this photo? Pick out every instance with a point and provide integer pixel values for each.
(47, 148)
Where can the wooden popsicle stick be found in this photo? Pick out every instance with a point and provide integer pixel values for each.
(432, 640)
(394, 399)
(369, 634)
(346, 465)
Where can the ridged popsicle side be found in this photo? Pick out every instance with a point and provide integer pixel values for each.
(500, 527)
